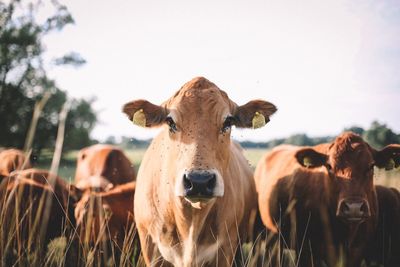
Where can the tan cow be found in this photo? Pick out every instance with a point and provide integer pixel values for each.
(11, 160)
(194, 190)
(101, 166)
(322, 199)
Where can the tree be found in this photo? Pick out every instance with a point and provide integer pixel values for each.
(24, 79)
(379, 135)
(355, 129)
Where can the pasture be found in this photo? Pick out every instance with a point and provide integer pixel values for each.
(253, 155)
(92, 255)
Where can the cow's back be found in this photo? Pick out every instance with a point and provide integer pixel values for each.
(106, 162)
(11, 160)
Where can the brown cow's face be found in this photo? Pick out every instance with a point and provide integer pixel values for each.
(351, 165)
(350, 162)
(197, 121)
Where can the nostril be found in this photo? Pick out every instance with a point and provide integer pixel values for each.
(364, 208)
(345, 208)
(212, 182)
(187, 184)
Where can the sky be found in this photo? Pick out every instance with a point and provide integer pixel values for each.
(326, 65)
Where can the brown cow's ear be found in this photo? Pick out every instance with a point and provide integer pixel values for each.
(310, 158)
(144, 113)
(388, 157)
(255, 114)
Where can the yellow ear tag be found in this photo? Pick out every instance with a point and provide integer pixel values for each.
(390, 165)
(307, 162)
(258, 120)
(139, 118)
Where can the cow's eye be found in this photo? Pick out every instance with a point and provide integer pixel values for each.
(227, 125)
(171, 124)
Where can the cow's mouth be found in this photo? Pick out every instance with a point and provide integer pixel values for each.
(203, 199)
(199, 202)
(355, 219)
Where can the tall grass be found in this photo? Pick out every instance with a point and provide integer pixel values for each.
(22, 230)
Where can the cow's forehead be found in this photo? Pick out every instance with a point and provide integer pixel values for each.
(200, 94)
(349, 149)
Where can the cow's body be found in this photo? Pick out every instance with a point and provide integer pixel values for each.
(11, 160)
(183, 235)
(328, 210)
(385, 247)
(194, 191)
(25, 198)
(110, 214)
(101, 166)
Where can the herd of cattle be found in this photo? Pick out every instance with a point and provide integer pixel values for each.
(195, 199)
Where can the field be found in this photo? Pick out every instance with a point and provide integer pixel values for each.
(94, 255)
(67, 166)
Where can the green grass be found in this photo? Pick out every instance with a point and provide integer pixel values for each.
(253, 155)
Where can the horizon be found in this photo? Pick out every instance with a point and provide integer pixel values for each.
(326, 66)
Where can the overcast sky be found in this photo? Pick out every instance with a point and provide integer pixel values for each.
(325, 64)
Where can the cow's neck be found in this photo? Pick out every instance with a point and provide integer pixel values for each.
(191, 223)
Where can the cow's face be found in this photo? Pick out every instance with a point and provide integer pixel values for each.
(350, 162)
(198, 121)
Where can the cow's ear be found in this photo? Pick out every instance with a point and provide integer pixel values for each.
(144, 113)
(309, 158)
(254, 114)
(388, 158)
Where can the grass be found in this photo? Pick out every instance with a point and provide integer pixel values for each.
(93, 254)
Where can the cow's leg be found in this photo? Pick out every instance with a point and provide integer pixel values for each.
(224, 257)
(150, 252)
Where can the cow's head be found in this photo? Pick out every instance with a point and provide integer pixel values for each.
(350, 162)
(197, 123)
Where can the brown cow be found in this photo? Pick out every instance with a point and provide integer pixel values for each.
(101, 166)
(11, 160)
(194, 192)
(25, 197)
(385, 247)
(322, 199)
(110, 214)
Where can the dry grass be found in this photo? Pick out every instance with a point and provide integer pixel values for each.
(73, 249)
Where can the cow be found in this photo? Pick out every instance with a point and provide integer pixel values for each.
(384, 250)
(25, 199)
(11, 160)
(106, 216)
(102, 166)
(321, 200)
(194, 191)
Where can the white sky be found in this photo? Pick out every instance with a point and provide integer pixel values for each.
(325, 64)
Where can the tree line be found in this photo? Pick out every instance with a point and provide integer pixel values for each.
(377, 135)
(24, 79)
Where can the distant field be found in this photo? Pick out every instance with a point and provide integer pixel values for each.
(67, 166)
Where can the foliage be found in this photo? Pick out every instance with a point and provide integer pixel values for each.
(379, 135)
(23, 78)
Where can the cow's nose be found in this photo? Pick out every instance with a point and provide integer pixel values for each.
(354, 209)
(199, 184)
